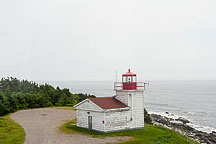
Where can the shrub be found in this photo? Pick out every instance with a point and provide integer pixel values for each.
(147, 117)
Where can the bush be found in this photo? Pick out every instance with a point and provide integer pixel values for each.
(16, 95)
(147, 117)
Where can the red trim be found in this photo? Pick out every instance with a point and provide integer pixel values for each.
(129, 73)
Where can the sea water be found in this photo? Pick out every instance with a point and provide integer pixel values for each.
(193, 100)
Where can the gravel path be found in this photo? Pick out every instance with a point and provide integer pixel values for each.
(41, 127)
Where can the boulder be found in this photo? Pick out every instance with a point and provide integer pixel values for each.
(160, 119)
(213, 133)
(183, 120)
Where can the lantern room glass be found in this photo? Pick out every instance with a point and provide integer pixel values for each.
(129, 79)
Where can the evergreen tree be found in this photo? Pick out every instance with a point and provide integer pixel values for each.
(16, 95)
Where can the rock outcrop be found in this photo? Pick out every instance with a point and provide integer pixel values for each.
(180, 125)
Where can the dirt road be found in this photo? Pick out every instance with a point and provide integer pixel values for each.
(42, 127)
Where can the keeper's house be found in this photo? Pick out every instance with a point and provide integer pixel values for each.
(123, 111)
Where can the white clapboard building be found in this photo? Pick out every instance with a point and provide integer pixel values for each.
(123, 111)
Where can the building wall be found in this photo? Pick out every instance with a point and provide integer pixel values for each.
(116, 120)
(136, 102)
(97, 118)
(123, 97)
(89, 105)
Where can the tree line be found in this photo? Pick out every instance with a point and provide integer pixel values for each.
(18, 94)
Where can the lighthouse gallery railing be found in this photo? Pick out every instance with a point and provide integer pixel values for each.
(139, 86)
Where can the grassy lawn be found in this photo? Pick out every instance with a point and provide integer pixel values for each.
(10, 131)
(62, 107)
(149, 135)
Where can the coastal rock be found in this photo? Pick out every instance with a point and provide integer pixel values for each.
(183, 120)
(160, 119)
(213, 133)
(155, 116)
(171, 119)
(183, 128)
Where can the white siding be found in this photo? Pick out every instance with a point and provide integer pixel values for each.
(136, 103)
(97, 118)
(116, 120)
(88, 105)
(123, 97)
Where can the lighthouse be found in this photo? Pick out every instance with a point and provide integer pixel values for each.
(124, 110)
(131, 93)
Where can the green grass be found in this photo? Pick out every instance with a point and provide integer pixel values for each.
(149, 135)
(10, 131)
(62, 107)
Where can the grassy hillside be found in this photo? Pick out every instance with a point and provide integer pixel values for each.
(10, 132)
(149, 135)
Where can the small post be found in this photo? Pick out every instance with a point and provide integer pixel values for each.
(116, 76)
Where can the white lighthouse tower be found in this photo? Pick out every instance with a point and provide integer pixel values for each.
(131, 93)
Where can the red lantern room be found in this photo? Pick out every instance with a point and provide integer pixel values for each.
(129, 81)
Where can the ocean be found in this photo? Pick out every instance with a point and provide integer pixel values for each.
(193, 100)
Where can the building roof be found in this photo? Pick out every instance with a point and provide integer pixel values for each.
(108, 102)
(129, 73)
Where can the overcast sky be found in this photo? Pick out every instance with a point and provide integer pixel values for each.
(91, 39)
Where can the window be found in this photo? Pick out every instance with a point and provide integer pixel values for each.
(124, 79)
(129, 79)
(134, 79)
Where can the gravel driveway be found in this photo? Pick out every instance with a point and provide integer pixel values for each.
(41, 127)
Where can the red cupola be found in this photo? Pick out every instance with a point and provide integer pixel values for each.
(129, 81)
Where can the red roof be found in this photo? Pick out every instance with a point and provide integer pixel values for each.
(108, 102)
(129, 73)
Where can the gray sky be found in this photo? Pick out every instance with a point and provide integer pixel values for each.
(90, 39)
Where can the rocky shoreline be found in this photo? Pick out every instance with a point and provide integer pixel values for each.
(180, 125)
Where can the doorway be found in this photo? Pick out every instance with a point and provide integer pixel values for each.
(90, 122)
